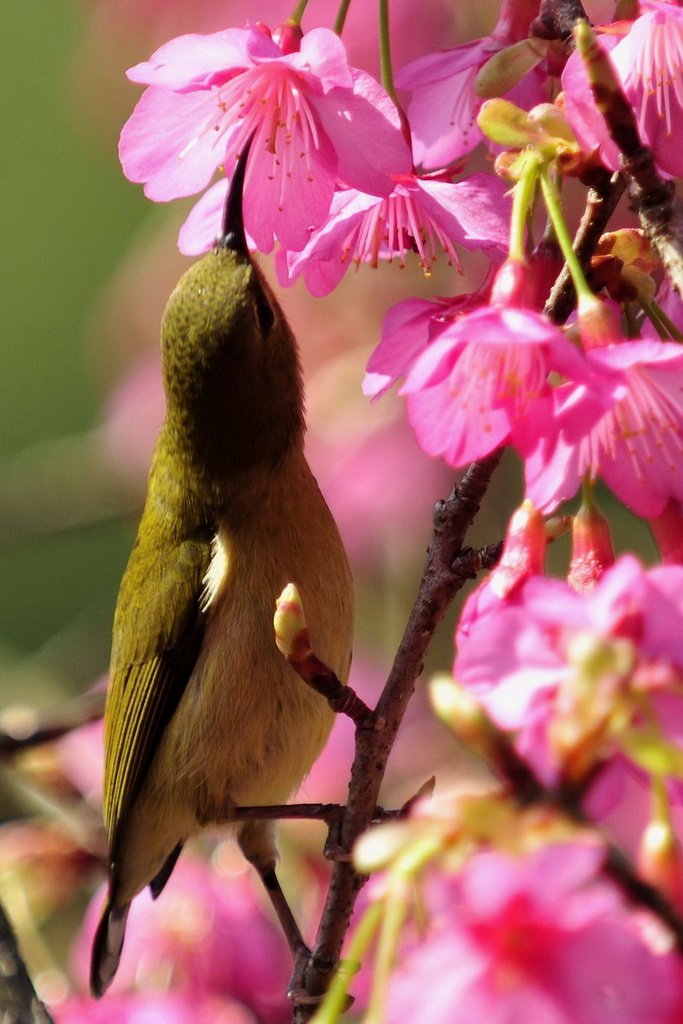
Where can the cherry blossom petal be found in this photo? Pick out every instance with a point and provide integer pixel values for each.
(201, 226)
(170, 162)
(194, 61)
(354, 122)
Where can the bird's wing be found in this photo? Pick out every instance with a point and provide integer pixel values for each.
(158, 630)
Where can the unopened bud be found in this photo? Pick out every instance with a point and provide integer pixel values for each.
(461, 712)
(288, 37)
(557, 526)
(506, 165)
(660, 861)
(504, 123)
(667, 530)
(523, 551)
(514, 285)
(291, 634)
(545, 262)
(592, 550)
(507, 67)
(551, 120)
(598, 322)
(635, 261)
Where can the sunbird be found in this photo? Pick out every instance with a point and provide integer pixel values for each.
(203, 713)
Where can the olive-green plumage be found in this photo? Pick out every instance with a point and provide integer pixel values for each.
(203, 713)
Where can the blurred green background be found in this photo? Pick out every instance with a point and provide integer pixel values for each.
(68, 216)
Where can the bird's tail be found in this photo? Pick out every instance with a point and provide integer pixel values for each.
(106, 950)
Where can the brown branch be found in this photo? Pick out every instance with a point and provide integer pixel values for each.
(342, 699)
(329, 813)
(469, 562)
(638, 892)
(653, 199)
(661, 215)
(443, 576)
(605, 191)
(18, 1001)
(556, 20)
(24, 728)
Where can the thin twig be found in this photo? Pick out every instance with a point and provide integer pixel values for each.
(604, 193)
(34, 729)
(654, 200)
(329, 813)
(342, 699)
(438, 587)
(556, 20)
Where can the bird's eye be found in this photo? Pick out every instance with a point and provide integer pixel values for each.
(264, 315)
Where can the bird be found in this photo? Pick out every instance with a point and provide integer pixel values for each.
(203, 714)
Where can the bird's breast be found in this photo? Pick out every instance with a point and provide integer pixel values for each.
(248, 729)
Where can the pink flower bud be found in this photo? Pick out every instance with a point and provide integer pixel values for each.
(514, 285)
(667, 530)
(288, 37)
(592, 551)
(598, 323)
(523, 552)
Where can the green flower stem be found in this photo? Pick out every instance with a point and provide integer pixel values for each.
(341, 16)
(521, 204)
(394, 917)
(662, 324)
(334, 1003)
(299, 12)
(661, 808)
(588, 492)
(401, 878)
(385, 50)
(554, 208)
(632, 328)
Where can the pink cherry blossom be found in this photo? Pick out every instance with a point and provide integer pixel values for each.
(521, 657)
(408, 327)
(585, 119)
(209, 933)
(535, 939)
(81, 755)
(635, 446)
(484, 383)
(648, 62)
(151, 1008)
(315, 121)
(421, 215)
(444, 105)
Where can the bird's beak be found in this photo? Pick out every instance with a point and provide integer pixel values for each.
(233, 236)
